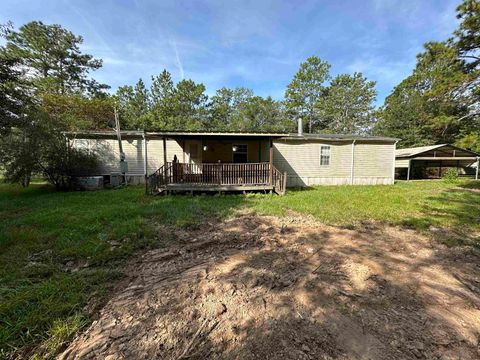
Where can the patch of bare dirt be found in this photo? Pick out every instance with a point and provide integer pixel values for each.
(268, 288)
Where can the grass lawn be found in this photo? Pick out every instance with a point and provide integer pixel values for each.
(416, 204)
(62, 251)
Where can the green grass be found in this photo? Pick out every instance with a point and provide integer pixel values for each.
(416, 204)
(42, 233)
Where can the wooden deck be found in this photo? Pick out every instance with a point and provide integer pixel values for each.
(216, 177)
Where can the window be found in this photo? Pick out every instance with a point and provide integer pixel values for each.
(240, 153)
(324, 155)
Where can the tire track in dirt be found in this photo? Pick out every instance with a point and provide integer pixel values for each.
(262, 287)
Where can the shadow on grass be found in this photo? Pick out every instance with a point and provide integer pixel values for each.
(296, 293)
(452, 216)
(60, 251)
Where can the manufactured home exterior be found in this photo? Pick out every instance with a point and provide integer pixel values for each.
(346, 159)
(297, 160)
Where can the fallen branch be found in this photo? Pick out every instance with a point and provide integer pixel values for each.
(187, 349)
(341, 292)
(189, 345)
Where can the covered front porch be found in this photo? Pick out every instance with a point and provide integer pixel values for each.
(217, 162)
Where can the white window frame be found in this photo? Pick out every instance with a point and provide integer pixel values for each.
(236, 152)
(327, 156)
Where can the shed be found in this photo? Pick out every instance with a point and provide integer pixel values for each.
(431, 162)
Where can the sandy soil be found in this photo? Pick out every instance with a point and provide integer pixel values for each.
(268, 288)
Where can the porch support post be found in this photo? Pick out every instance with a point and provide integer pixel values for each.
(165, 158)
(478, 166)
(270, 177)
(408, 170)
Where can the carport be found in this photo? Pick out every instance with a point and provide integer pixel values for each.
(431, 162)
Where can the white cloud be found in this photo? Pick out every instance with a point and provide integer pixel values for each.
(177, 58)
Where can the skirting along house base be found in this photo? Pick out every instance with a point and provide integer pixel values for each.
(213, 161)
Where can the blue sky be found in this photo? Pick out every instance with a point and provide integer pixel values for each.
(256, 44)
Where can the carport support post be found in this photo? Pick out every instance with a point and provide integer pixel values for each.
(408, 170)
(478, 165)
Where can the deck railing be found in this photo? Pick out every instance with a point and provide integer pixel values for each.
(219, 174)
(222, 174)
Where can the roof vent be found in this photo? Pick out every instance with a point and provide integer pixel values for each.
(300, 126)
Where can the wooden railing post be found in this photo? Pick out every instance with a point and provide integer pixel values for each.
(270, 180)
(165, 158)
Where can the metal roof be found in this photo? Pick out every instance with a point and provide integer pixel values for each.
(169, 134)
(413, 151)
(173, 134)
(340, 137)
(213, 133)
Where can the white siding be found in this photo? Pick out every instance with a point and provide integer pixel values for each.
(401, 163)
(301, 161)
(109, 154)
(373, 163)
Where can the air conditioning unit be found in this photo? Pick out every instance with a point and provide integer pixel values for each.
(116, 179)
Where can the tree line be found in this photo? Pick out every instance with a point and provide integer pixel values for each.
(343, 105)
(46, 88)
(47, 60)
(439, 101)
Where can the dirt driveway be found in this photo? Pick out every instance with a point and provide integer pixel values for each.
(268, 288)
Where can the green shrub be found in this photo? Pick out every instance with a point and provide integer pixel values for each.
(451, 175)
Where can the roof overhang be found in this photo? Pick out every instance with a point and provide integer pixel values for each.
(170, 135)
(135, 134)
(340, 138)
(416, 152)
(451, 158)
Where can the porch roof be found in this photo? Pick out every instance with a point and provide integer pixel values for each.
(170, 134)
(187, 134)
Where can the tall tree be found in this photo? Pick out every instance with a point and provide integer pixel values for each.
(162, 98)
(79, 112)
(44, 78)
(260, 114)
(439, 102)
(135, 106)
(423, 108)
(304, 92)
(226, 107)
(189, 106)
(467, 36)
(348, 104)
(51, 58)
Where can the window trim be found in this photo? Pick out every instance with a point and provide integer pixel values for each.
(329, 147)
(233, 152)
